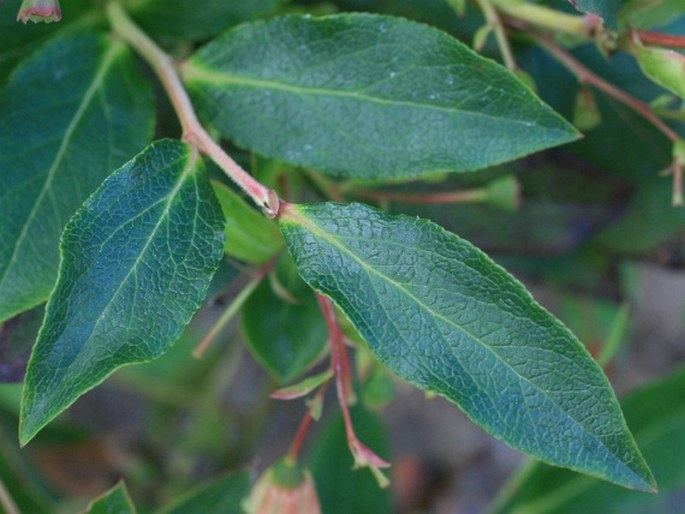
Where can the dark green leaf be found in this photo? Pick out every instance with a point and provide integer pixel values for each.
(18, 40)
(137, 260)
(645, 14)
(605, 9)
(341, 489)
(656, 415)
(114, 501)
(286, 337)
(222, 496)
(367, 96)
(250, 236)
(57, 144)
(17, 336)
(196, 19)
(442, 315)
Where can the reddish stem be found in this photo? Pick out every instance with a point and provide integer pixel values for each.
(305, 425)
(657, 39)
(586, 76)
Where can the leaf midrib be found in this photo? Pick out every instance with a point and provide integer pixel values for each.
(188, 169)
(317, 230)
(107, 60)
(194, 72)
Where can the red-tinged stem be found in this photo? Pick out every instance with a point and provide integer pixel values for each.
(586, 76)
(657, 39)
(467, 196)
(233, 308)
(303, 429)
(678, 183)
(193, 131)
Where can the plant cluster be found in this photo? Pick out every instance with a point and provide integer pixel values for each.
(298, 161)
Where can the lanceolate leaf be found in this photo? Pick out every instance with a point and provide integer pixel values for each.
(137, 259)
(656, 414)
(442, 315)
(114, 501)
(69, 116)
(367, 96)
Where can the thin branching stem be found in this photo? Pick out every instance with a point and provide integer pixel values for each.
(657, 39)
(193, 131)
(586, 76)
(493, 19)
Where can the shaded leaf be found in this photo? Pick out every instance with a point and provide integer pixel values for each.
(221, 496)
(114, 501)
(342, 489)
(656, 415)
(137, 260)
(418, 102)
(250, 236)
(196, 19)
(18, 40)
(440, 314)
(57, 144)
(284, 337)
(17, 336)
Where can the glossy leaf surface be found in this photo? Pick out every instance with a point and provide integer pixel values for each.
(114, 501)
(137, 260)
(250, 236)
(442, 315)
(665, 67)
(367, 96)
(656, 414)
(221, 496)
(284, 336)
(57, 144)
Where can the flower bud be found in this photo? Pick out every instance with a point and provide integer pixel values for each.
(39, 10)
(284, 488)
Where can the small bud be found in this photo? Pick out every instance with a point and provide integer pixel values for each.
(39, 10)
(284, 488)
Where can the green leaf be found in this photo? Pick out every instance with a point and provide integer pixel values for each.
(665, 67)
(250, 236)
(221, 496)
(304, 387)
(367, 96)
(18, 40)
(57, 144)
(656, 414)
(645, 14)
(114, 501)
(341, 489)
(137, 260)
(285, 337)
(605, 9)
(196, 19)
(442, 315)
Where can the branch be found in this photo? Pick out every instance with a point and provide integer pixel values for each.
(586, 76)
(657, 39)
(494, 21)
(193, 131)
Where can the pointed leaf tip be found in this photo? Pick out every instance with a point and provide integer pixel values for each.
(442, 315)
(137, 260)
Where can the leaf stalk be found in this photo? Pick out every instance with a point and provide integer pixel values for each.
(193, 131)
